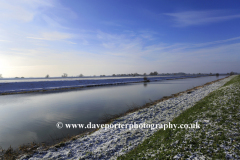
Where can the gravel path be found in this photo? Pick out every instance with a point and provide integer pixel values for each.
(109, 144)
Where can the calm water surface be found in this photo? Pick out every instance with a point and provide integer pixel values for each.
(26, 118)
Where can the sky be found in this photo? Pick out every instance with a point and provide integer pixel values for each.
(96, 37)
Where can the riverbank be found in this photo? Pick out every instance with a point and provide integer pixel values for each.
(217, 138)
(43, 85)
(112, 143)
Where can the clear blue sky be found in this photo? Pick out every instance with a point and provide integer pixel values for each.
(93, 37)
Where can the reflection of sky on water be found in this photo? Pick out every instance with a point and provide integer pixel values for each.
(32, 117)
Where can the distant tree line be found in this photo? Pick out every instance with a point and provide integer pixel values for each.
(231, 73)
(153, 73)
(134, 74)
(144, 74)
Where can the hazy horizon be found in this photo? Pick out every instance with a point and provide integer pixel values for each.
(91, 37)
(116, 75)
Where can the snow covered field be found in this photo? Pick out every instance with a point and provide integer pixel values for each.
(40, 84)
(109, 144)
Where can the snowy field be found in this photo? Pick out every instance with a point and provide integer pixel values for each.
(111, 143)
(18, 85)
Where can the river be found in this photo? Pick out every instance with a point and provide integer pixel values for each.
(32, 117)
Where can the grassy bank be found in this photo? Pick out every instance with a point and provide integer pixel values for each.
(218, 137)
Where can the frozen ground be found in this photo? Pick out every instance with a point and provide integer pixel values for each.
(27, 85)
(109, 144)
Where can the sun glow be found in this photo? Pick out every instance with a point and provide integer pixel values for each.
(4, 66)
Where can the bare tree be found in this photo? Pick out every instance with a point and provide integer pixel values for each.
(64, 75)
(81, 75)
(47, 76)
(153, 73)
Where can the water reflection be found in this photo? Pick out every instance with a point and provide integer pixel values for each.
(145, 84)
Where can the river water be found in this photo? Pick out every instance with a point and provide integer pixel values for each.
(32, 117)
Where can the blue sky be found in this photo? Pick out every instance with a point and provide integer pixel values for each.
(94, 37)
